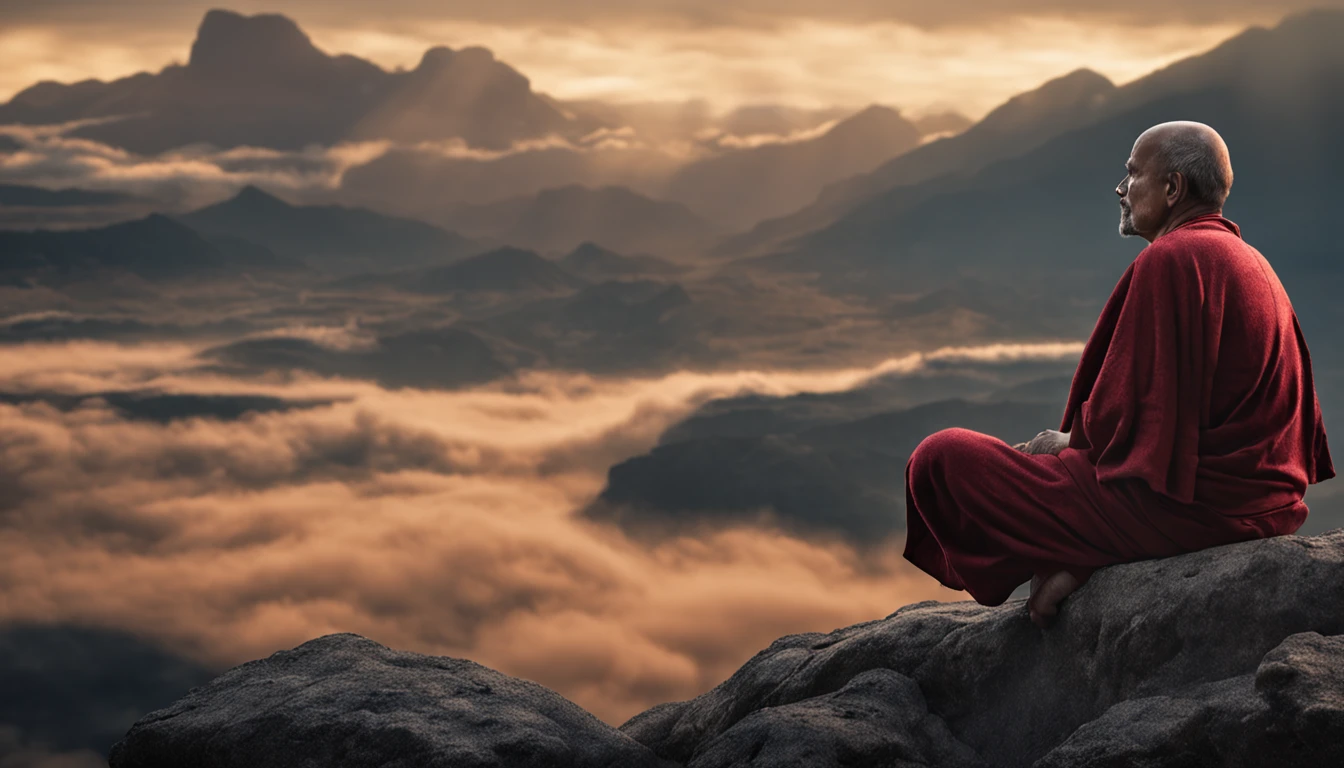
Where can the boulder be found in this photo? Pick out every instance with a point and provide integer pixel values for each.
(344, 700)
(1219, 657)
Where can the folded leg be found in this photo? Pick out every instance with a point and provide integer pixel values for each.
(985, 517)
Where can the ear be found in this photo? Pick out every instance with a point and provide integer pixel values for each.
(1176, 188)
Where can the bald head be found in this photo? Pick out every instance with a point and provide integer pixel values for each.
(1198, 153)
(1176, 171)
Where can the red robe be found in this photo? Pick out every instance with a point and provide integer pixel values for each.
(1192, 420)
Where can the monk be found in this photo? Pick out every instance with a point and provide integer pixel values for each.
(1192, 418)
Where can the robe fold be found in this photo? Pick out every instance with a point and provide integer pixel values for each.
(1192, 418)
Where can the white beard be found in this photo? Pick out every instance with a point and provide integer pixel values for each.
(1127, 223)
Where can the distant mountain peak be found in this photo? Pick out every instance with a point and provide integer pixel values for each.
(1077, 85)
(874, 112)
(438, 57)
(1070, 97)
(442, 56)
(872, 118)
(503, 269)
(871, 124)
(588, 249)
(470, 62)
(229, 44)
(256, 198)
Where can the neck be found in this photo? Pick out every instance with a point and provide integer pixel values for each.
(1180, 216)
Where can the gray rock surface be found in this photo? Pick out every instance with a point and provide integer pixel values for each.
(1231, 656)
(1303, 682)
(878, 718)
(343, 700)
(1153, 663)
(1290, 711)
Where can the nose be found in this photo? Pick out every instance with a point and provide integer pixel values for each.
(1120, 188)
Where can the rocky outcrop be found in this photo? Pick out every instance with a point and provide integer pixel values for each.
(1231, 656)
(344, 700)
(1211, 658)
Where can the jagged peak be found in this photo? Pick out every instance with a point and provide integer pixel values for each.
(227, 42)
(441, 57)
(436, 57)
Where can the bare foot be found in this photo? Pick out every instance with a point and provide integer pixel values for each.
(1046, 595)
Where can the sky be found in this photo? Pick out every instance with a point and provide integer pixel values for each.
(967, 55)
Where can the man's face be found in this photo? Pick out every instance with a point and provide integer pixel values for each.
(1143, 192)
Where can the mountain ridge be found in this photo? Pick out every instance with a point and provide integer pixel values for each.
(333, 238)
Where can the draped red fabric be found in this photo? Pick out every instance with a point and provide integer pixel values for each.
(1192, 418)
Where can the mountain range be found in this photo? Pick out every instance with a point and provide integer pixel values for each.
(260, 81)
(730, 187)
(459, 124)
(1019, 201)
(1038, 212)
(335, 239)
(154, 248)
(737, 189)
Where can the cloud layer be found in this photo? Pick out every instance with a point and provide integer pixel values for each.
(431, 521)
(177, 180)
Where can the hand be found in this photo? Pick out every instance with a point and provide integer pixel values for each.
(1048, 441)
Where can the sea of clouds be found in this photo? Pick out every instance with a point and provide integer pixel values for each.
(435, 521)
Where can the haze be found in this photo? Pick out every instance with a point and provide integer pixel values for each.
(588, 342)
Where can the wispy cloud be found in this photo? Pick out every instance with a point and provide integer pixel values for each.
(50, 156)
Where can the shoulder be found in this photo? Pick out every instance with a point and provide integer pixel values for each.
(1194, 249)
(1167, 258)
